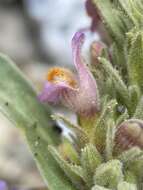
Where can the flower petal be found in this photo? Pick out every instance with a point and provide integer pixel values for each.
(51, 92)
(54, 92)
(84, 74)
(88, 91)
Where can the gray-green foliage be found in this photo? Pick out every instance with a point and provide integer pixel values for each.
(126, 186)
(18, 102)
(109, 174)
(101, 165)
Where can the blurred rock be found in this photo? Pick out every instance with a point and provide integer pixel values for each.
(58, 21)
(14, 38)
(44, 35)
(8, 1)
(36, 72)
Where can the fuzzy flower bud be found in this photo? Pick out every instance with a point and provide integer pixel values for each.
(96, 50)
(129, 134)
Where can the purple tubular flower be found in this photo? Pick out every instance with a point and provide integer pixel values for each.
(78, 93)
(3, 185)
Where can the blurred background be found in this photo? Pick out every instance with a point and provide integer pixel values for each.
(36, 34)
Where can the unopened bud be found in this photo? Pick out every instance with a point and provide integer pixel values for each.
(96, 49)
(129, 134)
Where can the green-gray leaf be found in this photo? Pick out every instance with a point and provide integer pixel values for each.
(90, 160)
(69, 170)
(18, 101)
(109, 174)
(97, 187)
(114, 24)
(135, 60)
(126, 186)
